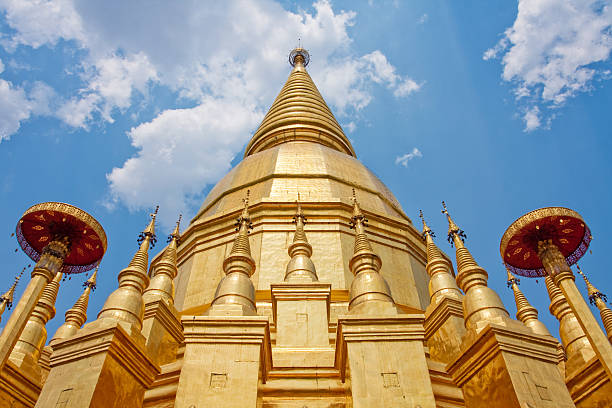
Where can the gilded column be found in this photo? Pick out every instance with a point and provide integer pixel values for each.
(228, 351)
(585, 377)
(162, 327)
(444, 326)
(599, 300)
(107, 356)
(503, 362)
(556, 267)
(524, 311)
(578, 349)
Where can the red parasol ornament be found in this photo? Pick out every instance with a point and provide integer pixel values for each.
(565, 227)
(45, 222)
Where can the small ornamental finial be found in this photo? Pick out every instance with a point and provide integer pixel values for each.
(150, 230)
(91, 282)
(453, 229)
(358, 218)
(7, 297)
(176, 233)
(245, 218)
(512, 279)
(299, 56)
(593, 292)
(299, 214)
(426, 229)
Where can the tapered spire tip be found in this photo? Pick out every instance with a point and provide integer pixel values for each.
(453, 229)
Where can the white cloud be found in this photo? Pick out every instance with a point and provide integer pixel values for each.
(403, 160)
(532, 119)
(423, 19)
(14, 107)
(551, 50)
(347, 84)
(111, 82)
(181, 150)
(41, 22)
(228, 55)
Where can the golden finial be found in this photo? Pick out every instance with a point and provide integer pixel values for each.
(512, 279)
(300, 266)
(176, 233)
(150, 230)
(245, 217)
(358, 218)
(161, 286)
(426, 229)
(299, 56)
(453, 229)
(7, 297)
(299, 214)
(524, 311)
(593, 292)
(91, 282)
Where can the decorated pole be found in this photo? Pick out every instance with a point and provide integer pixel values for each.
(60, 238)
(546, 242)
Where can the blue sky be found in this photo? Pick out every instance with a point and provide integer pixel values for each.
(497, 107)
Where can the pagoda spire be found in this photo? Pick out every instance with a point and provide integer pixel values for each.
(162, 282)
(524, 311)
(125, 304)
(300, 267)
(6, 300)
(369, 293)
(76, 316)
(441, 281)
(481, 304)
(599, 300)
(299, 113)
(33, 337)
(236, 291)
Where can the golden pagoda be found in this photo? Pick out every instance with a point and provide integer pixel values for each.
(301, 282)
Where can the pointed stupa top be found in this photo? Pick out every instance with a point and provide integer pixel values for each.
(359, 221)
(239, 258)
(125, 304)
(599, 299)
(91, 282)
(441, 283)
(524, 311)
(7, 297)
(300, 267)
(593, 292)
(161, 286)
(455, 233)
(299, 113)
(76, 316)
